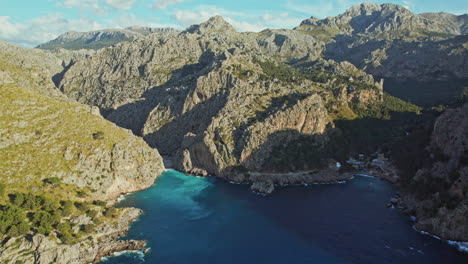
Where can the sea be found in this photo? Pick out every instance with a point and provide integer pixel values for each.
(190, 220)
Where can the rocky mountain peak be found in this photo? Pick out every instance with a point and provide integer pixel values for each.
(389, 21)
(214, 24)
(363, 9)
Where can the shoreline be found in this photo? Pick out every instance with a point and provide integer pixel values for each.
(265, 186)
(461, 246)
(307, 179)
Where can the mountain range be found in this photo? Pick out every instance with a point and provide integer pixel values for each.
(277, 107)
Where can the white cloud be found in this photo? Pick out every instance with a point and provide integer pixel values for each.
(241, 21)
(98, 7)
(9, 30)
(460, 12)
(281, 20)
(42, 29)
(324, 8)
(407, 4)
(120, 4)
(243, 26)
(130, 19)
(160, 4)
(187, 18)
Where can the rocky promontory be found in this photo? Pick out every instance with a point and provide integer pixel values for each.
(437, 193)
(62, 166)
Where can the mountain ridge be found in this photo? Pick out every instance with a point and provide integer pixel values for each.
(100, 38)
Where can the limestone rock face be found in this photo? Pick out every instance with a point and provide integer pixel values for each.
(216, 99)
(389, 41)
(220, 101)
(40, 249)
(443, 212)
(43, 134)
(82, 149)
(29, 69)
(450, 133)
(374, 19)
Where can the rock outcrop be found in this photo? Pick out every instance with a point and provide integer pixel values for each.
(51, 145)
(390, 41)
(80, 148)
(438, 193)
(219, 100)
(40, 249)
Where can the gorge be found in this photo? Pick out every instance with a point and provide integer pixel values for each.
(378, 89)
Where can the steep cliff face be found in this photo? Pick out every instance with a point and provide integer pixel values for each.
(82, 148)
(220, 100)
(159, 59)
(61, 162)
(216, 99)
(438, 192)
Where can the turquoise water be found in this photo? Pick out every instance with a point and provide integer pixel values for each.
(206, 220)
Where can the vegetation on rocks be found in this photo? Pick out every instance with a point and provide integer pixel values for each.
(60, 162)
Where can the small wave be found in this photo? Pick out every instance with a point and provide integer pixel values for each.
(134, 253)
(364, 175)
(461, 246)
(137, 253)
(200, 216)
(122, 198)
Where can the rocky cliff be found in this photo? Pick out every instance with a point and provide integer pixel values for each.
(56, 150)
(83, 149)
(274, 107)
(390, 41)
(41, 249)
(219, 100)
(437, 192)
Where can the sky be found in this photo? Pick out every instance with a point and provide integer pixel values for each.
(29, 23)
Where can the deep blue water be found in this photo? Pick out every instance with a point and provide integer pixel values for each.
(206, 220)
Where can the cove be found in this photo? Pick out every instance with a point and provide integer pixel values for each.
(207, 220)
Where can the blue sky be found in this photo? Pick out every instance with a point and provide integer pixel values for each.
(28, 23)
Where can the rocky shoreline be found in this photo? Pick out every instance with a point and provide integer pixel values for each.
(40, 249)
(264, 183)
(379, 167)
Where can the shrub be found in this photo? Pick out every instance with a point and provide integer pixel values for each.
(43, 231)
(98, 135)
(23, 228)
(68, 208)
(13, 231)
(92, 213)
(81, 194)
(51, 205)
(88, 228)
(110, 212)
(52, 181)
(18, 199)
(83, 207)
(100, 203)
(30, 202)
(64, 227)
(2, 190)
(66, 238)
